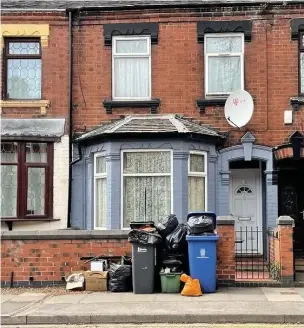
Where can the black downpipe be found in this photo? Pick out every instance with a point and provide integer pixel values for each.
(70, 91)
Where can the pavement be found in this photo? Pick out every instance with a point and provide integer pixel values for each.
(227, 305)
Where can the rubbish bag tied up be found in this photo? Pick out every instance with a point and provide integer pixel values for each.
(192, 286)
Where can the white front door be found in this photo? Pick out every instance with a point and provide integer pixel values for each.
(246, 208)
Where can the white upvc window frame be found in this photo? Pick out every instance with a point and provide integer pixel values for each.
(143, 175)
(229, 54)
(131, 55)
(200, 174)
(96, 177)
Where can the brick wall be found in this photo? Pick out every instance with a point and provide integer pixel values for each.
(48, 260)
(285, 233)
(45, 258)
(178, 69)
(225, 253)
(54, 65)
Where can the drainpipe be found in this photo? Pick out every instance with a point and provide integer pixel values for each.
(70, 92)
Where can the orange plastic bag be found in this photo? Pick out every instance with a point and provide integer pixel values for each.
(192, 286)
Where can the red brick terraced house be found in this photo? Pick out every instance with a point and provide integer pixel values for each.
(113, 111)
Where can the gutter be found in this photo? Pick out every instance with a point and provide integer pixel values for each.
(182, 5)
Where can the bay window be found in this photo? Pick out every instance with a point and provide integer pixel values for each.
(197, 182)
(100, 191)
(26, 180)
(224, 63)
(146, 185)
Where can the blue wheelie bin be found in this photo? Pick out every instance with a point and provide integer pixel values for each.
(202, 256)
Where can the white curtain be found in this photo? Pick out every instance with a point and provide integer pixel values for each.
(100, 192)
(131, 69)
(196, 183)
(146, 197)
(196, 194)
(101, 202)
(224, 72)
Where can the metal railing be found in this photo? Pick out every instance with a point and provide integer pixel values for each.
(255, 254)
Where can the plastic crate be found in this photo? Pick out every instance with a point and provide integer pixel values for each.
(170, 282)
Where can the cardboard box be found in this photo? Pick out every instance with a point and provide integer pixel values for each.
(96, 281)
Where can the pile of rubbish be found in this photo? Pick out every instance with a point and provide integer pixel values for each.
(166, 246)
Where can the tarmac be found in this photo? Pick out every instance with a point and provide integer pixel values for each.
(227, 305)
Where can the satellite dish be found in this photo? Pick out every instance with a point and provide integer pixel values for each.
(239, 108)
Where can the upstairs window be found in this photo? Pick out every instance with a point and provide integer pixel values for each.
(131, 68)
(301, 48)
(23, 69)
(224, 63)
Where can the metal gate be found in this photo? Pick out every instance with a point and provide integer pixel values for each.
(250, 262)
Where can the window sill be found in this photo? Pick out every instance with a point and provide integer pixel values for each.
(296, 102)
(153, 104)
(9, 221)
(203, 103)
(43, 104)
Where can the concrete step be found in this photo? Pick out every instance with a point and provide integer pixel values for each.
(299, 276)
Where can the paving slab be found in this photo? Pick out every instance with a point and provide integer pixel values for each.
(130, 297)
(66, 299)
(300, 291)
(245, 294)
(28, 297)
(231, 305)
(100, 297)
(9, 308)
(6, 297)
(282, 295)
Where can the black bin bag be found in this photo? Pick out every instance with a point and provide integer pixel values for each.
(167, 224)
(200, 224)
(144, 237)
(176, 240)
(120, 278)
